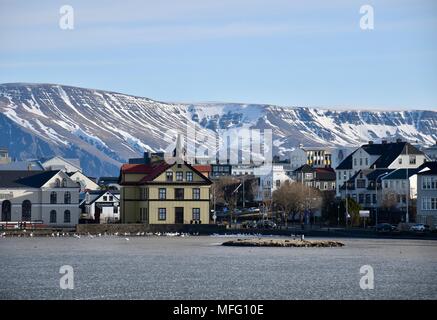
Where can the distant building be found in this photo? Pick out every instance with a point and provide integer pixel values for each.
(161, 193)
(218, 170)
(102, 206)
(86, 183)
(319, 178)
(26, 165)
(59, 163)
(4, 155)
(373, 156)
(50, 197)
(431, 152)
(427, 194)
(318, 157)
(109, 183)
(270, 181)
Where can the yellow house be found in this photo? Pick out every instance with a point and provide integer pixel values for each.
(162, 193)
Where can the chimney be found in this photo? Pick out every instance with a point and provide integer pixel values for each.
(370, 142)
(384, 141)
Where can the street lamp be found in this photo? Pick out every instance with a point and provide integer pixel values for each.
(376, 195)
(338, 215)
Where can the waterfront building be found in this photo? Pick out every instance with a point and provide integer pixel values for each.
(4, 155)
(319, 178)
(427, 194)
(48, 197)
(102, 206)
(373, 156)
(157, 192)
(431, 152)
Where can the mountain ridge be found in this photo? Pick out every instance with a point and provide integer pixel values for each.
(105, 128)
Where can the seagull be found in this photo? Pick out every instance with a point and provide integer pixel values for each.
(116, 234)
(31, 234)
(76, 236)
(127, 239)
(99, 234)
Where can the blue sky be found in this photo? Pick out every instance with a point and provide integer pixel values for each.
(284, 52)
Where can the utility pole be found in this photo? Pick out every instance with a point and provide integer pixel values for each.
(407, 217)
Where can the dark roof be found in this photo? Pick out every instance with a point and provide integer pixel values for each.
(388, 152)
(25, 179)
(327, 174)
(400, 174)
(432, 166)
(304, 168)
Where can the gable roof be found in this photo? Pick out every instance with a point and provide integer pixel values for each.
(153, 170)
(400, 174)
(26, 165)
(25, 179)
(431, 166)
(387, 153)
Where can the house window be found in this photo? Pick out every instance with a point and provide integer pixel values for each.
(53, 197)
(169, 176)
(412, 159)
(361, 183)
(355, 162)
(278, 183)
(189, 176)
(162, 214)
(26, 210)
(144, 193)
(361, 198)
(67, 197)
(374, 198)
(67, 216)
(105, 198)
(179, 176)
(53, 216)
(361, 161)
(179, 194)
(367, 161)
(400, 161)
(196, 214)
(64, 183)
(57, 183)
(162, 193)
(429, 183)
(111, 198)
(196, 193)
(115, 210)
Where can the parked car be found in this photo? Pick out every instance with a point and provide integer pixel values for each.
(420, 227)
(248, 224)
(266, 224)
(384, 227)
(253, 210)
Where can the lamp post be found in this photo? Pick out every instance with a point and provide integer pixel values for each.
(376, 194)
(338, 215)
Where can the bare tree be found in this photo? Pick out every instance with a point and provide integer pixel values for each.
(224, 189)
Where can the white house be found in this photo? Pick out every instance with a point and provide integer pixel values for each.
(102, 206)
(50, 197)
(271, 181)
(427, 194)
(384, 155)
(85, 182)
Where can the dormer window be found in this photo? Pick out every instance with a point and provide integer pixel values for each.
(57, 183)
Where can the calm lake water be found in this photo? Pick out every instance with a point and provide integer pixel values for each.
(199, 268)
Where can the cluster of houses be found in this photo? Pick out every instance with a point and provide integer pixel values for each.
(55, 192)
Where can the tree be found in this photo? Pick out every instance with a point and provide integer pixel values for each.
(295, 198)
(224, 191)
(354, 211)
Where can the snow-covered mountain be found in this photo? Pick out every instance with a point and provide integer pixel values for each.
(103, 129)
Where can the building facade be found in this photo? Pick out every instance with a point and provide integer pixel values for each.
(427, 194)
(162, 193)
(102, 206)
(50, 197)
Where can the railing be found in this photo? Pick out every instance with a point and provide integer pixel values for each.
(5, 225)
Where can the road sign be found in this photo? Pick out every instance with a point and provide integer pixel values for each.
(364, 213)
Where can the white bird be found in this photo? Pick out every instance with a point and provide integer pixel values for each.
(53, 234)
(99, 234)
(31, 234)
(116, 234)
(76, 236)
(127, 239)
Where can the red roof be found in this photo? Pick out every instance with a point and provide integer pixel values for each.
(202, 167)
(151, 170)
